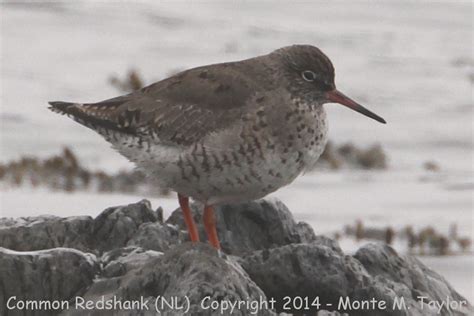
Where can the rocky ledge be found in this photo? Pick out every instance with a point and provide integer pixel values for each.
(129, 261)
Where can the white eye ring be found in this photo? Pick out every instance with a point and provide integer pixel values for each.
(308, 75)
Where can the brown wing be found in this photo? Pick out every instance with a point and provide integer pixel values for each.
(181, 109)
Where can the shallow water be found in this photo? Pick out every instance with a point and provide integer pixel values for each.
(409, 62)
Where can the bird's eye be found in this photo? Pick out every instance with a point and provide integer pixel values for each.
(308, 75)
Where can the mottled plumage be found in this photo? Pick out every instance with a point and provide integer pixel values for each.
(226, 132)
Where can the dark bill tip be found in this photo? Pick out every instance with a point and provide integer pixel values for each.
(338, 97)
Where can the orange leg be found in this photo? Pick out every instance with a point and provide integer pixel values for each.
(188, 218)
(210, 226)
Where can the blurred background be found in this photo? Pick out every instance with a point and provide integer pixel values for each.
(409, 183)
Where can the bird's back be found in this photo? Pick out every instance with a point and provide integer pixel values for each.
(178, 110)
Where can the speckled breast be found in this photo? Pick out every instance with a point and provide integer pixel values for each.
(264, 151)
(245, 162)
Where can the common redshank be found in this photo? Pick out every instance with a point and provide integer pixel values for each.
(223, 133)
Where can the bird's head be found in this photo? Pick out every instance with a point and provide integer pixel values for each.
(310, 75)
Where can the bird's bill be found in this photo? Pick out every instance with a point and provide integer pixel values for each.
(339, 97)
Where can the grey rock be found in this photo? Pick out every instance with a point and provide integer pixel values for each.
(54, 274)
(143, 258)
(328, 313)
(195, 271)
(45, 232)
(305, 270)
(156, 236)
(249, 226)
(159, 214)
(328, 242)
(119, 261)
(115, 226)
(321, 270)
(410, 278)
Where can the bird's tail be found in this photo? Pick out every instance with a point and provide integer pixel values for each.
(85, 114)
(65, 108)
(72, 110)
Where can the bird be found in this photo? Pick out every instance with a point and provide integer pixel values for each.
(223, 133)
